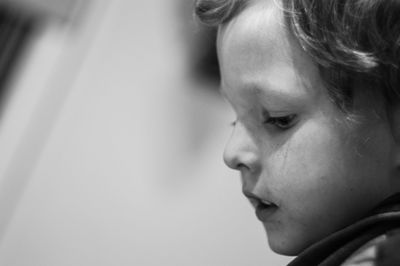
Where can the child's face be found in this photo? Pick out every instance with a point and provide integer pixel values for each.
(294, 148)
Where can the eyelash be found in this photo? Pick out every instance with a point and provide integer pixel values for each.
(281, 122)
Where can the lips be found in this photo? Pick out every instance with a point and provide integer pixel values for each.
(264, 208)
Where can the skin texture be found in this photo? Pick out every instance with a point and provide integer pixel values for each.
(323, 169)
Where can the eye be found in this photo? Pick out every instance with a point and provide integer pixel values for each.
(281, 122)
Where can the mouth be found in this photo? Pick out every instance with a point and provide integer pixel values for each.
(264, 209)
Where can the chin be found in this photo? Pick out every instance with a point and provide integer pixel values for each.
(286, 247)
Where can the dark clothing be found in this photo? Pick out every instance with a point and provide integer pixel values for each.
(372, 241)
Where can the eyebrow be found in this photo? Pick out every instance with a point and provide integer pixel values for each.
(257, 90)
(274, 96)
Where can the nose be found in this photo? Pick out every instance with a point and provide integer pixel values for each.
(241, 151)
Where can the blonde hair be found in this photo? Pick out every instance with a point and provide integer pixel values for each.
(348, 39)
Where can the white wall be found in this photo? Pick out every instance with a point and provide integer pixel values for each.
(119, 160)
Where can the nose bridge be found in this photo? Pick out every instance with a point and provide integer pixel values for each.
(242, 150)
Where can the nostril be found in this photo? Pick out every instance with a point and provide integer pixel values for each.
(234, 163)
(238, 160)
(241, 166)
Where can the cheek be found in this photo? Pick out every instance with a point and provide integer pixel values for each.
(307, 159)
(319, 172)
(309, 178)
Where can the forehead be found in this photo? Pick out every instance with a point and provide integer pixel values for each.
(256, 47)
(260, 26)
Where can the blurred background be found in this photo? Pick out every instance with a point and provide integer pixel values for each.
(111, 138)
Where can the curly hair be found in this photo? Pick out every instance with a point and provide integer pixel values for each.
(348, 39)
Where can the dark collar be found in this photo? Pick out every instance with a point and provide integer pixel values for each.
(336, 248)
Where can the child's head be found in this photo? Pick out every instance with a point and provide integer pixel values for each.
(313, 85)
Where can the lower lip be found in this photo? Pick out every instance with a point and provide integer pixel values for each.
(264, 212)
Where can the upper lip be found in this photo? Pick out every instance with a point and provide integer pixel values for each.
(256, 200)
